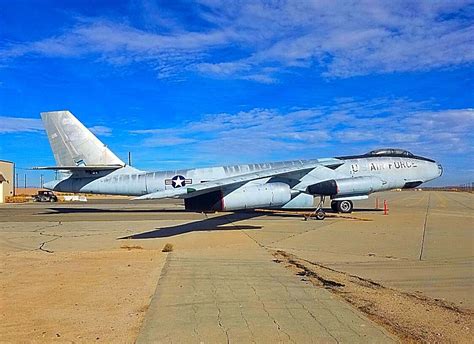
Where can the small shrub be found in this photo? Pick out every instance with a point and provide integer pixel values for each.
(168, 248)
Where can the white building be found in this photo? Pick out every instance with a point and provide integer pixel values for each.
(7, 181)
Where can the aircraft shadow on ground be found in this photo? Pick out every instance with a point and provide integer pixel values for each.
(206, 225)
(53, 211)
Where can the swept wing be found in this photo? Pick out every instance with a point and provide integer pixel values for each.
(199, 189)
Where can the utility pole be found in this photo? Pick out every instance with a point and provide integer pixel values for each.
(25, 180)
(41, 181)
(16, 182)
(129, 158)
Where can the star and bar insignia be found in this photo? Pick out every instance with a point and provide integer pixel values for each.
(178, 181)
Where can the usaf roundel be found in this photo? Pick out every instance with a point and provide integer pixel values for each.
(178, 181)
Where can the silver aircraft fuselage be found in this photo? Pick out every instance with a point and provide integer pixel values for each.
(393, 173)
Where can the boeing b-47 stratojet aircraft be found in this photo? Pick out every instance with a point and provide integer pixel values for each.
(88, 166)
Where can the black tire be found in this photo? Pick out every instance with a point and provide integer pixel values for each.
(320, 215)
(334, 206)
(52, 199)
(345, 207)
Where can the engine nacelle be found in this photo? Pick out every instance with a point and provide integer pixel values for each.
(247, 197)
(347, 186)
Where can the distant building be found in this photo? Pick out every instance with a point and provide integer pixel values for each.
(7, 182)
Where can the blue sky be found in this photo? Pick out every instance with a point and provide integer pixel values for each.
(200, 83)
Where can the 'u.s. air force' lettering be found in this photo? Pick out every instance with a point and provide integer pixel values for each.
(392, 165)
(178, 181)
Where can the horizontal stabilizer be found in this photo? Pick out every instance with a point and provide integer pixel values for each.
(80, 168)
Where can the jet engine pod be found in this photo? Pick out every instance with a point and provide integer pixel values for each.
(346, 186)
(246, 197)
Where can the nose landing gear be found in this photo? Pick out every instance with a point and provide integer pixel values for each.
(318, 213)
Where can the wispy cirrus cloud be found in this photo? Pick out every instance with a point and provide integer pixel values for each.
(9, 125)
(347, 126)
(101, 130)
(259, 40)
(15, 124)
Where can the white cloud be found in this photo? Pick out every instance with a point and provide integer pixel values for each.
(16, 125)
(101, 130)
(338, 39)
(166, 141)
(10, 125)
(347, 126)
(344, 39)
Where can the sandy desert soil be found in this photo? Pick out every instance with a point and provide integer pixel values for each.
(76, 296)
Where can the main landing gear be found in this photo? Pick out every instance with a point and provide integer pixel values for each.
(344, 207)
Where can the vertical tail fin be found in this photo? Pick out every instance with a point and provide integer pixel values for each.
(73, 144)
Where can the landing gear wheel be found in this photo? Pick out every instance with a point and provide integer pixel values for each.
(334, 206)
(320, 215)
(345, 206)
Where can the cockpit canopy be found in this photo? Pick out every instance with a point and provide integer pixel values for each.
(386, 152)
(390, 152)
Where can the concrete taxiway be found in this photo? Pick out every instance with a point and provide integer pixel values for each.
(95, 271)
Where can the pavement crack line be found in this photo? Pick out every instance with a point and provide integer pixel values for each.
(268, 313)
(219, 322)
(424, 228)
(242, 314)
(41, 246)
(219, 318)
(304, 232)
(307, 311)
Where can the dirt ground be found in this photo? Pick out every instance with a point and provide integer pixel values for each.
(76, 296)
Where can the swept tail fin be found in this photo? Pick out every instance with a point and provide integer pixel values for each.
(73, 144)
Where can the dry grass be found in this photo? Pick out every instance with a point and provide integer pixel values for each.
(18, 199)
(168, 248)
(129, 247)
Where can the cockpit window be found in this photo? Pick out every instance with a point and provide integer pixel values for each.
(389, 151)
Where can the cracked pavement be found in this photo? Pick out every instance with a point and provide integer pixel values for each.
(242, 296)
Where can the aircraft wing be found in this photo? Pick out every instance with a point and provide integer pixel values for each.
(80, 168)
(199, 189)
